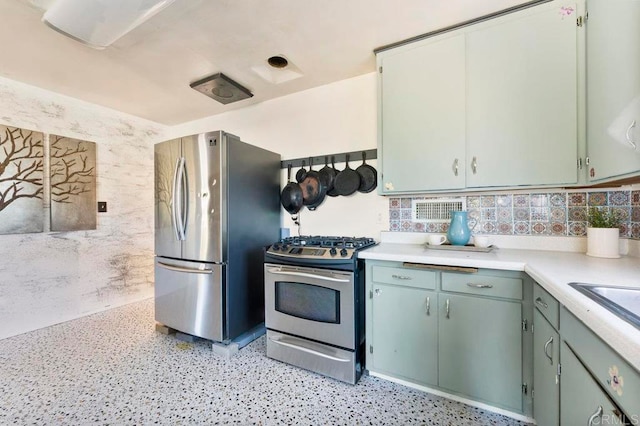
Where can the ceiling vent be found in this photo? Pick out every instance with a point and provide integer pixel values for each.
(436, 210)
(221, 88)
(277, 69)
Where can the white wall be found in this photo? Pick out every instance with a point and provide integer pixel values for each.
(335, 118)
(46, 278)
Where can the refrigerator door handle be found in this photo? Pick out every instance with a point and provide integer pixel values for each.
(184, 196)
(180, 194)
(187, 270)
(174, 200)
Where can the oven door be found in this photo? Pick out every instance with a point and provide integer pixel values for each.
(316, 304)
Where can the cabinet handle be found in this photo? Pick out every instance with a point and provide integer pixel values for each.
(595, 415)
(474, 165)
(428, 305)
(539, 302)
(480, 285)
(446, 308)
(455, 167)
(546, 345)
(628, 134)
(400, 277)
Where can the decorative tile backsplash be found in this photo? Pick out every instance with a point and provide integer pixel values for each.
(553, 213)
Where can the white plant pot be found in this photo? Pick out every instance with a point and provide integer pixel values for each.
(603, 242)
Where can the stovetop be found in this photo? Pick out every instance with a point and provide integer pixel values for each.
(325, 241)
(317, 249)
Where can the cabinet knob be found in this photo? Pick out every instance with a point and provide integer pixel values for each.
(546, 346)
(595, 415)
(541, 303)
(388, 186)
(628, 134)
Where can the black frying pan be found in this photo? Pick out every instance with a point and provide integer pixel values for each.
(368, 176)
(327, 174)
(313, 190)
(333, 192)
(347, 181)
(291, 196)
(300, 174)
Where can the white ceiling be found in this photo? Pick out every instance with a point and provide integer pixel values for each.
(148, 71)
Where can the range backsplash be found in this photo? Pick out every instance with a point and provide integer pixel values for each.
(553, 213)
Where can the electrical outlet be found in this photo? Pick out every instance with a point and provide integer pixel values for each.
(102, 206)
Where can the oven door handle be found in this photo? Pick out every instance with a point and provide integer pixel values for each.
(311, 351)
(283, 271)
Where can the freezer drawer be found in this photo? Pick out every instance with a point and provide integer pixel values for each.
(189, 297)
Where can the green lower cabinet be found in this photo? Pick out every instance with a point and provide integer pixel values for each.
(582, 400)
(405, 333)
(546, 356)
(480, 349)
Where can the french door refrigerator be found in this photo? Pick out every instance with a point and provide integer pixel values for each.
(216, 208)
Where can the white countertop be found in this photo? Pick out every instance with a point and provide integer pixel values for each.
(553, 270)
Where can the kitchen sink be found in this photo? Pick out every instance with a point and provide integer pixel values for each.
(622, 301)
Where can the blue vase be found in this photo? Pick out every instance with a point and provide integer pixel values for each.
(459, 232)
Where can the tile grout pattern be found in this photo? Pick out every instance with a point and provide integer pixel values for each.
(113, 368)
(552, 213)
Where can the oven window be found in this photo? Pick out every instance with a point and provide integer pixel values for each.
(308, 301)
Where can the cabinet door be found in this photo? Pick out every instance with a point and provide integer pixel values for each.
(613, 87)
(422, 89)
(480, 349)
(521, 99)
(404, 322)
(583, 402)
(546, 355)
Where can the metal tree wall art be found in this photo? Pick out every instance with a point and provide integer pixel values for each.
(73, 184)
(21, 175)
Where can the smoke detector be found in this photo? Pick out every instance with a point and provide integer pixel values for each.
(221, 88)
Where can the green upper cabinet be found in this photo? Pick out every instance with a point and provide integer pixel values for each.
(422, 100)
(613, 88)
(521, 99)
(490, 105)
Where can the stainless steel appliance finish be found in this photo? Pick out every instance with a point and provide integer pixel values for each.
(216, 208)
(622, 301)
(314, 302)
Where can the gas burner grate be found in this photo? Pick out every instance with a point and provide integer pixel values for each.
(328, 241)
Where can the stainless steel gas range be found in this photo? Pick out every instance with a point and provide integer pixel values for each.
(314, 304)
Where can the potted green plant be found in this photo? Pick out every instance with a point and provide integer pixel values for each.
(603, 233)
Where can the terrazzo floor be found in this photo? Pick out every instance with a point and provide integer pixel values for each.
(113, 368)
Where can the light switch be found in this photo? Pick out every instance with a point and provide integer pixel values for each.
(102, 206)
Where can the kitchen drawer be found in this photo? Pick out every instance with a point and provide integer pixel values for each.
(404, 276)
(602, 362)
(546, 304)
(483, 285)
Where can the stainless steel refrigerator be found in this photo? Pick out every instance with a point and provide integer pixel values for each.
(216, 207)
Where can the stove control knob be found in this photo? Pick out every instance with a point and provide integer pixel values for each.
(276, 247)
(333, 251)
(285, 247)
(343, 252)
